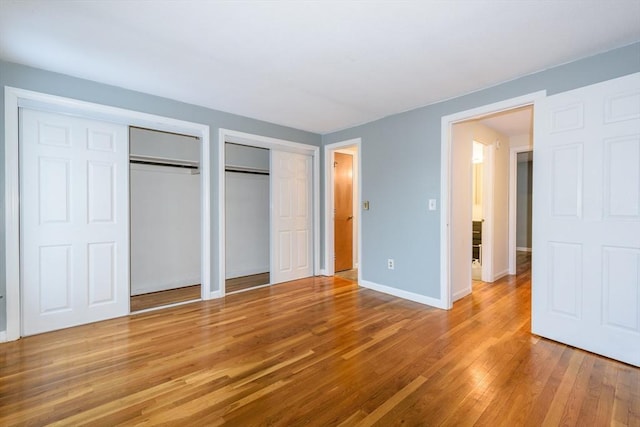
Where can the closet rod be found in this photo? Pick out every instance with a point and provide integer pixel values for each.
(252, 171)
(163, 161)
(173, 165)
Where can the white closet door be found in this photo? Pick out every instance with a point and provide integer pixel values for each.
(586, 219)
(73, 221)
(291, 219)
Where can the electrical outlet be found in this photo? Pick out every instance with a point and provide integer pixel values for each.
(390, 264)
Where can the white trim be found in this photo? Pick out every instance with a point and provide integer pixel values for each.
(445, 272)
(163, 287)
(461, 294)
(488, 213)
(215, 294)
(227, 135)
(3, 336)
(16, 98)
(267, 142)
(445, 160)
(329, 237)
(12, 214)
(205, 214)
(162, 307)
(522, 249)
(239, 291)
(222, 226)
(422, 299)
(500, 275)
(513, 199)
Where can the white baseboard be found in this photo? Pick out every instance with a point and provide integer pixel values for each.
(252, 288)
(500, 275)
(163, 287)
(523, 249)
(246, 272)
(3, 336)
(460, 294)
(323, 272)
(161, 307)
(422, 299)
(215, 294)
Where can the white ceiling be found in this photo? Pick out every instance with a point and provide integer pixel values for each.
(313, 65)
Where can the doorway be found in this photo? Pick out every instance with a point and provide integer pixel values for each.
(481, 153)
(342, 198)
(475, 196)
(503, 126)
(520, 205)
(288, 222)
(164, 202)
(343, 215)
(247, 210)
(482, 187)
(524, 205)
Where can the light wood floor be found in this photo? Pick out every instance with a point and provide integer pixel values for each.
(523, 262)
(318, 352)
(246, 282)
(191, 293)
(349, 274)
(162, 298)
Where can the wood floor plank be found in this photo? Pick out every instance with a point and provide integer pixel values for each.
(162, 298)
(246, 282)
(319, 352)
(394, 400)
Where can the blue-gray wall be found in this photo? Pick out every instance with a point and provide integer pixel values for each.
(401, 170)
(19, 76)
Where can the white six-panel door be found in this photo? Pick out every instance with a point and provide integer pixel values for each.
(461, 221)
(586, 219)
(291, 216)
(73, 221)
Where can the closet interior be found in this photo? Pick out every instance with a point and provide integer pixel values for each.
(165, 220)
(247, 225)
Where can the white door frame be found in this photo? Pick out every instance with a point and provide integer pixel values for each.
(329, 237)
(513, 196)
(445, 300)
(243, 138)
(488, 206)
(16, 98)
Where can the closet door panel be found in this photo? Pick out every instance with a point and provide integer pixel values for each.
(73, 221)
(291, 220)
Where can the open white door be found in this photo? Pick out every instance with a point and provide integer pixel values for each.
(460, 222)
(73, 221)
(586, 219)
(291, 216)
